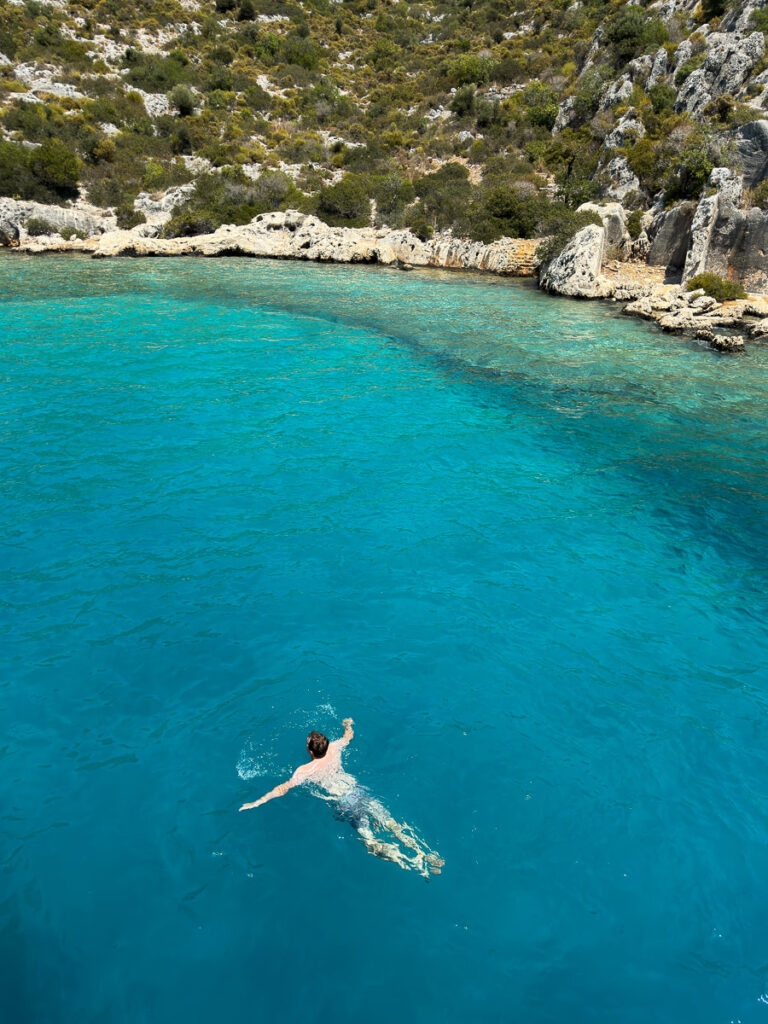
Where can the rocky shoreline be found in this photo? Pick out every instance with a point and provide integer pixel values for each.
(579, 271)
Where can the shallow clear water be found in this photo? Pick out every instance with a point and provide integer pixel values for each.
(522, 541)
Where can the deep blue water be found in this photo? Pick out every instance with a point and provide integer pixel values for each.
(521, 541)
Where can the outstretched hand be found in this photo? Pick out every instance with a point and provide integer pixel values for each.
(347, 723)
(247, 807)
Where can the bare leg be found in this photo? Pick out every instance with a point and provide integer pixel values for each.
(386, 851)
(425, 859)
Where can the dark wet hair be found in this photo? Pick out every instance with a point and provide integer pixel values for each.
(317, 744)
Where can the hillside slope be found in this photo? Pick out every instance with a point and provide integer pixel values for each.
(450, 114)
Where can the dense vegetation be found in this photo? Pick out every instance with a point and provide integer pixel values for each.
(428, 115)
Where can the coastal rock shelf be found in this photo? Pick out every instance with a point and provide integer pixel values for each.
(292, 235)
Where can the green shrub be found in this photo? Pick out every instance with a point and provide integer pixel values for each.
(538, 105)
(230, 198)
(717, 287)
(444, 194)
(662, 97)
(182, 97)
(155, 73)
(39, 226)
(56, 167)
(463, 101)
(469, 69)
(690, 172)
(418, 224)
(760, 195)
(392, 194)
(128, 218)
(346, 203)
(634, 223)
(15, 174)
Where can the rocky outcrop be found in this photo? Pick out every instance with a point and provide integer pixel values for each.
(617, 92)
(659, 69)
(576, 270)
(670, 237)
(628, 129)
(621, 179)
(737, 246)
(751, 152)
(293, 235)
(158, 209)
(728, 62)
(566, 114)
(614, 220)
(16, 214)
(698, 315)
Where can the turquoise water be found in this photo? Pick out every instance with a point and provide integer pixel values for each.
(521, 541)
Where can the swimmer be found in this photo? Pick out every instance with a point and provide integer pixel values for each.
(325, 771)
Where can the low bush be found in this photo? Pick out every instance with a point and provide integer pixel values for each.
(230, 198)
(182, 97)
(759, 195)
(128, 218)
(634, 223)
(37, 226)
(717, 287)
(346, 203)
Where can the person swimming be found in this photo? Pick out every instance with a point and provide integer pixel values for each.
(354, 804)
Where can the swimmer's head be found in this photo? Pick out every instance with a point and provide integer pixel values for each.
(317, 744)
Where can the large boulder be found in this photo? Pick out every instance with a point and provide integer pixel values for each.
(738, 246)
(614, 220)
(576, 270)
(670, 237)
(158, 209)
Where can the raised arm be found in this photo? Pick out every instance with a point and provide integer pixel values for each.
(349, 732)
(281, 790)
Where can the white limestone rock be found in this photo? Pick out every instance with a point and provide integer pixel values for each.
(627, 129)
(576, 270)
(617, 92)
(614, 220)
(15, 214)
(730, 59)
(293, 235)
(565, 115)
(659, 70)
(158, 209)
(623, 180)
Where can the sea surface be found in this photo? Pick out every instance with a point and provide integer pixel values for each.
(522, 541)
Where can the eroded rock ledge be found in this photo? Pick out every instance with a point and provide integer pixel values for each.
(292, 235)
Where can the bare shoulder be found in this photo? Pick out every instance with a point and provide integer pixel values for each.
(302, 772)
